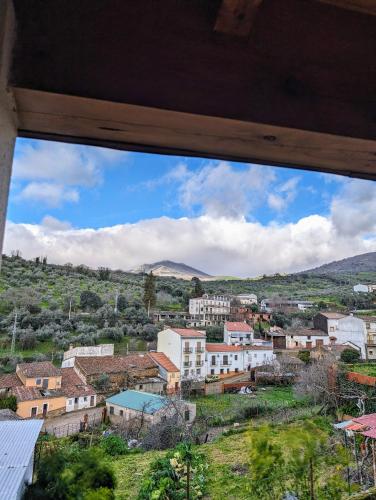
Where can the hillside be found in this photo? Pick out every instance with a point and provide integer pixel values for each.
(363, 263)
(172, 269)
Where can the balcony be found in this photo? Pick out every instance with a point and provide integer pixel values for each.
(187, 364)
(187, 350)
(200, 349)
(199, 363)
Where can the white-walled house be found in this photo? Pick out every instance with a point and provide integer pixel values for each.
(186, 349)
(209, 310)
(305, 338)
(247, 299)
(86, 351)
(343, 329)
(360, 288)
(223, 358)
(237, 332)
(79, 395)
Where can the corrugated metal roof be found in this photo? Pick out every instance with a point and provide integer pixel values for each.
(17, 442)
(139, 401)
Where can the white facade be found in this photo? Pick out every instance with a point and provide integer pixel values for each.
(247, 299)
(237, 333)
(81, 402)
(306, 341)
(351, 329)
(209, 310)
(360, 288)
(232, 359)
(186, 349)
(86, 351)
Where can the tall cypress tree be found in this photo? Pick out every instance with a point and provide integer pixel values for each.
(198, 291)
(150, 297)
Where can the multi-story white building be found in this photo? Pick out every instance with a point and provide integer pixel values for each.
(85, 352)
(305, 338)
(247, 299)
(222, 358)
(237, 332)
(186, 349)
(370, 322)
(343, 329)
(209, 310)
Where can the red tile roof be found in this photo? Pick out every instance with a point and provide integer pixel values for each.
(8, 381)
(39, 369)
(93, 365)
(72, 386)
(257, 348)
(189, 332)
(161, 359)
(223, 348)
(237, 326)
(332, 315)
(306, 332)
(24, 393)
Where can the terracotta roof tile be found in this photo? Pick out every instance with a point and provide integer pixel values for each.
(72, 386)
(332, 315)
(189, 332)
(223, 348)
(39, 369)
(161, 359)
(113, 364)
(237, 326)
(8, 381)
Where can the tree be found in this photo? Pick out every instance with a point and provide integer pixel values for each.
(150, 297)
(8, 402)
(198, 291)
(90, 300)
(104, 273)
(122, 303)
(350, 356)
(304, 356)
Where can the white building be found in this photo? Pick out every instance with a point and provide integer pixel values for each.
(360, 288)
(343, 329)
(209, 310)
(222, 358)
(86, 351)
(370, 322)
(247, 299)
(186, 349)
(79, 395)
(305, 338)
(237, 332)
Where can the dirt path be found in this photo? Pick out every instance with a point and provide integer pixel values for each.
(69, 423)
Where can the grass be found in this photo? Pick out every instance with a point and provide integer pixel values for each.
(227, 408)
(364, 368)
(228, 458)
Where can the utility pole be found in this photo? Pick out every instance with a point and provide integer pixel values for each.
(70, 308)
(116, 302)
(13, 345)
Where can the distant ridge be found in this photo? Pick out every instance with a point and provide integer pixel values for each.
(365, 262)
(169, 268)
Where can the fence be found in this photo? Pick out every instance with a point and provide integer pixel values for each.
(74, 427)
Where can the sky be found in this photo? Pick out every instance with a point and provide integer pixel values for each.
(102, 207)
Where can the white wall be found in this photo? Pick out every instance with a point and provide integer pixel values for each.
(235, 359)
(70, 405)
(351, 329)
(303, 339)
(259, 357)
(232, 338)
(99, 350)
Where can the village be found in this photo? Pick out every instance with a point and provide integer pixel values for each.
(137, 395)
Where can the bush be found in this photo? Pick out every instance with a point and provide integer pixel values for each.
(114, 445)
(350, 356)
(8, 402)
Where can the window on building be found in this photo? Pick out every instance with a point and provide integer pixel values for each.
(255, 355)
(85, 399)
(34, 411)
(112, 410)
(212, 371)
(198, 371)
(141, 387)
(371, 352)
(236, 357)
(187, 415)
(38, 381)
(221, 371)
(236, 370)
(121, 413)
(186, 373)
(75, 401)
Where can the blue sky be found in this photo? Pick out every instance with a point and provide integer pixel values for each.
(227, 217)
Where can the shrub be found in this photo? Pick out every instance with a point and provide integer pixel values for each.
(350, 356)
(8, 402)
(114, 445)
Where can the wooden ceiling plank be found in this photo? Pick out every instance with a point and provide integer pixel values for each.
(236, 17)
(139, 128)
(364, 6)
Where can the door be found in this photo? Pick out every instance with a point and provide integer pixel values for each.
(309, 345)
(45, 408)
(91, 400)
(45, 383)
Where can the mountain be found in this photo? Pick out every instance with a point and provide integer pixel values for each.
(365, 262)
(169, 268)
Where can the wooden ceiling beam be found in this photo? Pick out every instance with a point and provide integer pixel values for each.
(364, 6)
(235, 17)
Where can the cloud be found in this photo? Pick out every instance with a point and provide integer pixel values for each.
(353, 210)
(52, 195)
(217, 245)
(284, 194)
(54, 171)
(54, 224)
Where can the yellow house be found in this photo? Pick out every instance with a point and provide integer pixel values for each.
(167, 370)
(31, 403)
(39, 374)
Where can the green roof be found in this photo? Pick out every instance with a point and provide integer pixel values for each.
(139, 401)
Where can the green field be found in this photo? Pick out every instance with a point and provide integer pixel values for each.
(365, 368)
